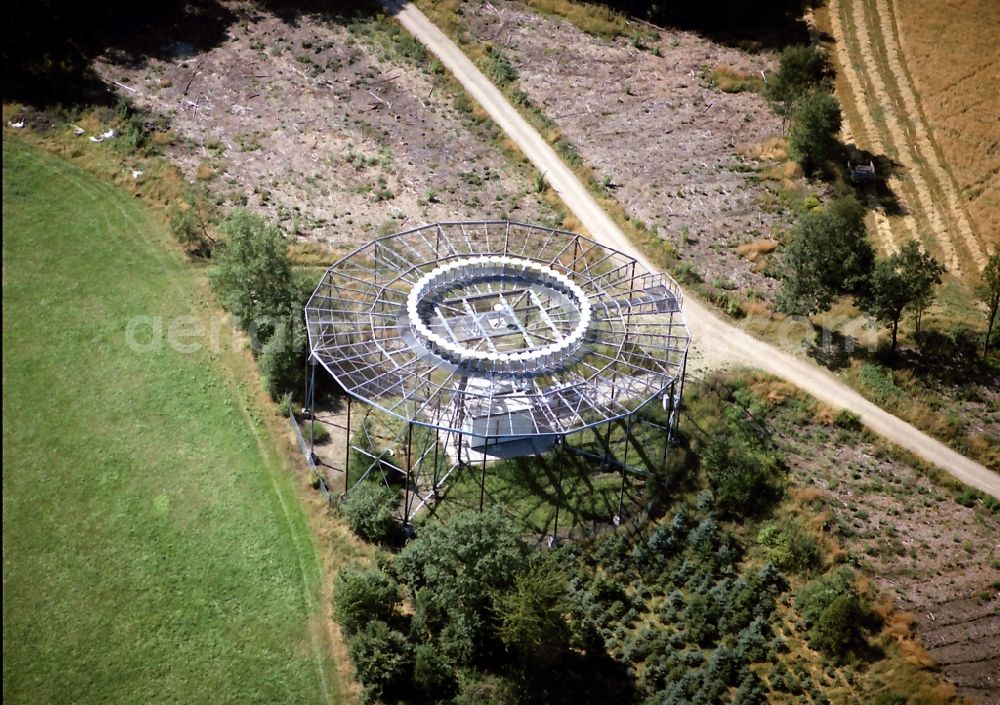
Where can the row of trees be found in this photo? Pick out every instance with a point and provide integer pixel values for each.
(802, 90)
(829, 256)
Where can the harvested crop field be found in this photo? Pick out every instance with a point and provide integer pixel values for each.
(913, 79)
(673, 148)
(334, 126)
(952, 52)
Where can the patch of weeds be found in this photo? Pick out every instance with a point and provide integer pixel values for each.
(498, 68)
(880, 382)
(686, 274)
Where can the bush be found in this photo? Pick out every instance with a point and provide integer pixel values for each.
(189, 226)
(383, 661)
(790, 546)
(281, 363)
(744, 479)
(829, 255)
(434, 674)
(254, 276)
(834, 613)
(847, 420)
(836, 630)
(457, 573)
(318, 433)
(370, 511)
(498, 68)
(801, 70)
(363, 594)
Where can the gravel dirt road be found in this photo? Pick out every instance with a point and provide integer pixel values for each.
(713, 338)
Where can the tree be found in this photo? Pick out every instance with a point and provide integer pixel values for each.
(254, 275)
(189, 222)
(905, 280)
(363, 594)
(812, 137)
(282, 359)
(455, 572)
(434, 674)
(370, 510)
(532, 615)
(801, 69)
(282, 363)
(988, 290)
(829, 254)
(837, 629)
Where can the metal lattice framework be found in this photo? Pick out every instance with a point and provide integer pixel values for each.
(498, 333)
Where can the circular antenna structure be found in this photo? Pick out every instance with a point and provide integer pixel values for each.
(498, 331)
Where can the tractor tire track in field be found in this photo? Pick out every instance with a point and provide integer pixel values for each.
(868, 135)
(924, 143)
(857, 20)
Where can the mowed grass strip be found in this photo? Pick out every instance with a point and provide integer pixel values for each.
(154, 550)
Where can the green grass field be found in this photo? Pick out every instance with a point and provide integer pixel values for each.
(154, 548)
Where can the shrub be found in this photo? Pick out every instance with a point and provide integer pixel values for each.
(254, 275)
(834, 612)
(189, 226)
(847, 420)
(363, 594)
(790, 545)
(370, 511)
(383, 661)
(434, 674)
(281, 363)
(836, 630)
(801, 70)
(456, 572)
(829, 255)
(498, 68)
(745, 480)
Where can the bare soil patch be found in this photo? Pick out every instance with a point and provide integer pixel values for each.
(675, 151)
(325, 128)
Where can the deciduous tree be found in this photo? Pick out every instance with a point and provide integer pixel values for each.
(829, 254)
(812, 136)
(533, 615)
(905, 280)
(801, 70)
(254, 275)
(988, 290)
(363, 594)
(455, 572)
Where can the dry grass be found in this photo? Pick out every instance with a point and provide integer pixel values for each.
(753, 250)
(950, 50)
(731, 80)
(597, 20)
(775, 149)
(204, 172)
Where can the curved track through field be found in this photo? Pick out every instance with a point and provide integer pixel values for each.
(708, 330)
